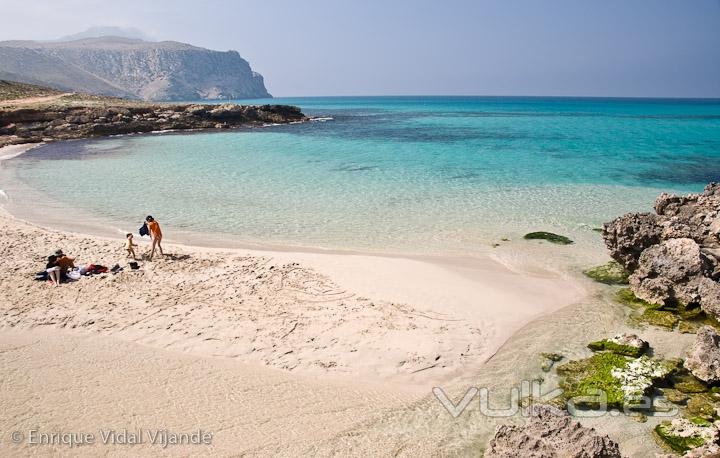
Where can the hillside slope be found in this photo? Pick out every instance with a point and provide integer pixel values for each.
(126, 67)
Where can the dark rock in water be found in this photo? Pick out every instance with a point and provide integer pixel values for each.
(32, 125)
(674, 256)
(550, 432)
(703, 357)
(549, 236)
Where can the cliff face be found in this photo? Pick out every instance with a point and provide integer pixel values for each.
(125, 67)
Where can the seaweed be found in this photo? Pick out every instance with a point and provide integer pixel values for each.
(682, 435)
(584, 377)
(611, 273)
(624, 381)
(549, 236)
(703, 406)
(618, 349)
(659, 318)
(626, 297)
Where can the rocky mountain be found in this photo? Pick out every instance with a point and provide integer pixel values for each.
(127, 67)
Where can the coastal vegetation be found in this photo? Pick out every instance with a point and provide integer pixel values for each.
(11, 90)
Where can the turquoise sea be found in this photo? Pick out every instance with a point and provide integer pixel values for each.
(405, 174)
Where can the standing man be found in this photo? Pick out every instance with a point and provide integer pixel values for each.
(155, 235)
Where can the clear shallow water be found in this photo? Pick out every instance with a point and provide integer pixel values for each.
(409, 174)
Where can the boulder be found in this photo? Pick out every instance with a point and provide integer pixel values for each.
(673, 256)
(706, 451)
(703, 356)
(628, 236)
(550, 432)
(666, 272)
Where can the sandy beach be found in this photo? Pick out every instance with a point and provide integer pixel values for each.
(368, 229)
(350, 322)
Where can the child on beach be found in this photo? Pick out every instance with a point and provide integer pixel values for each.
(130, 246)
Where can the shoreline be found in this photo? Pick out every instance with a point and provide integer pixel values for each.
(436, 285)
(420, 309)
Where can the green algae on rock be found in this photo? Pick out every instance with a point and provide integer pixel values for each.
(624, 381)
(621, 345)
(549, 236)
(689, 327)
(689, 384)
(659, 318)
(682, 434)
(675, 396)
(611, 273)
(582, 378)
(626, 297)
(548, 360)
(702, 405)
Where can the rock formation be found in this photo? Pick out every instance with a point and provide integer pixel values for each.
(550, 432)
(674, 255)
(706, 451)
(703, 357)
(32, 125)
(126, 67)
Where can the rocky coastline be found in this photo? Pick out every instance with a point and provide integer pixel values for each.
(670, 262)
(62, 122)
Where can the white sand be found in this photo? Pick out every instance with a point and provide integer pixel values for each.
(379, 330)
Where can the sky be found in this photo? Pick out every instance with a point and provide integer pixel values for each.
(623, 48)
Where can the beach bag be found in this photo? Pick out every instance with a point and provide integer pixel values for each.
(144, 230)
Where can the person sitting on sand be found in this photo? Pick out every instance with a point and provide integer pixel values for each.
(155, 235)
(130, 246)
(64, 262)
(53, 270)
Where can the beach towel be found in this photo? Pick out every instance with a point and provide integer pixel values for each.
(94, 269)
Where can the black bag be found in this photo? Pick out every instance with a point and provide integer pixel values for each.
(144, 230)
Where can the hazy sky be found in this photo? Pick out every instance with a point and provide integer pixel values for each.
(367, 47)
